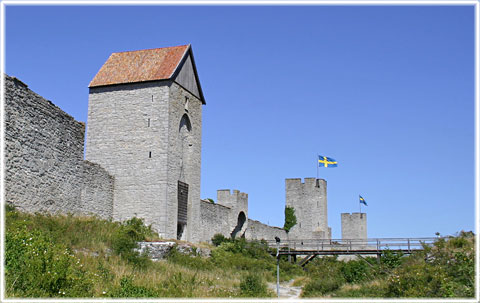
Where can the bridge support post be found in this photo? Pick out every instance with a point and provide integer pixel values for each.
(378, 258)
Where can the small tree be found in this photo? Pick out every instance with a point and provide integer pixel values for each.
(290, 218)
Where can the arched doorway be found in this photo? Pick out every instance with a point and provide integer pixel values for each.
(183, 144)
(240, 221)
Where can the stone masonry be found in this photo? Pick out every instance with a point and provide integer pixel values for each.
(143, 156)
(354, 226)
(45, 171)
(309, 199)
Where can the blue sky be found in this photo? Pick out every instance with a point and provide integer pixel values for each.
(387, 91)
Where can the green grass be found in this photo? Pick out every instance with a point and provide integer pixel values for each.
(71, 256)
(446, 270)
(49, 256)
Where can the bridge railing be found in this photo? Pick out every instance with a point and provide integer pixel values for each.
(372, 244)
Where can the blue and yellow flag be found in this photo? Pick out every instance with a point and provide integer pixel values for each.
(326, 162)
(362, 200)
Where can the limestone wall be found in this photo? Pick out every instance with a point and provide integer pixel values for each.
(256, 230)
(97, 197)
(44, 167)
(238, 203)
(309, 199)
(126, 136)
(354, 226)
(214, 219)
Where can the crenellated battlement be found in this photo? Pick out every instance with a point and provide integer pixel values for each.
(309, 199)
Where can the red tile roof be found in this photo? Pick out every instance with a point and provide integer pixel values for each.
(139, 66)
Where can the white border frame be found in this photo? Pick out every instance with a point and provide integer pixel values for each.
(474, 3)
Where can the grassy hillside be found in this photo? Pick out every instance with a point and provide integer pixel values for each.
(445, 270)
(67, 256)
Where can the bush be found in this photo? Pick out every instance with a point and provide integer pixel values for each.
(124, 241)
(128, 289)
(37, 267)
(325, 276)
(219, 239)
(193, 262)
(253, 286)
(391, 259)
(321, 286)
(355, 271)
(290, 218)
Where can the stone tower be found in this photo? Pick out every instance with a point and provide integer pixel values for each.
(354, 226)
(144, 127)
(309, 200)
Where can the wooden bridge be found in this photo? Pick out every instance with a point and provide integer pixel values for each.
(369, 247)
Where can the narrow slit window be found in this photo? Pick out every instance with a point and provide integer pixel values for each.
(149, 154)
(148, 122)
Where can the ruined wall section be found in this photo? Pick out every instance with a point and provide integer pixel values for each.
(238, 203)
(44, 167)
(214, 219)
(257, 230)
(97, 197)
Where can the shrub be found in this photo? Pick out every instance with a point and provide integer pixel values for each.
(356, 271)
(193, 262)
(124, 241)
(37, 267)
(219, 239)
(391, 259)
(325, 276)
(128, 289)
(321, 286)
(290, 218)
(253, 286)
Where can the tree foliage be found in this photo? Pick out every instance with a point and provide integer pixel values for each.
(290, 218)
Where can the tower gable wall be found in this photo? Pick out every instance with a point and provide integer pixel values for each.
(184, 158)
(186, 77)
(126, 135)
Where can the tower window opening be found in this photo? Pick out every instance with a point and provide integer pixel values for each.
(148, 122)
(149, 154)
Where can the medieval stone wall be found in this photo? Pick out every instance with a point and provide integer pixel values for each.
(256, 230)
(309, 199)
(354, 226)
(44, 167)
(214, 220)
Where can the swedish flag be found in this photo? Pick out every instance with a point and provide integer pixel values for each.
(362, 200)
(326, 162)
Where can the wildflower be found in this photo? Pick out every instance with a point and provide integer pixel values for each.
(104, 292)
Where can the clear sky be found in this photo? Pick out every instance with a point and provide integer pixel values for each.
(387, 91)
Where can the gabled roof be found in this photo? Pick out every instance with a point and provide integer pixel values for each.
(144, 65)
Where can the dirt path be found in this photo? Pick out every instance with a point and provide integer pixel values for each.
(287, 291)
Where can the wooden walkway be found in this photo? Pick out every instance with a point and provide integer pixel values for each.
(330, 247)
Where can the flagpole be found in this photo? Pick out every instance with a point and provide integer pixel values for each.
(317, 166)
(360, 203)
